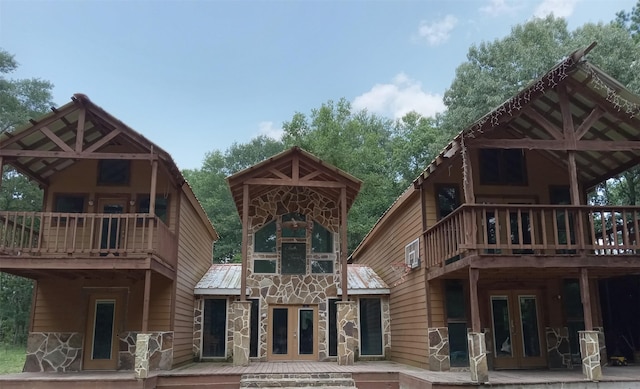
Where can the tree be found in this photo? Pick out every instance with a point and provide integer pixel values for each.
(20, 100)
(630, 21)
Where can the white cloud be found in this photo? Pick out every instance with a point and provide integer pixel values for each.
(401, 96)
(437, 32)
(500, 7)
(268, 129)
(559, 8)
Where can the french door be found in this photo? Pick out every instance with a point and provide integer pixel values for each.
(517, 330)
(293, 332)
(110, 228)
(101, 336)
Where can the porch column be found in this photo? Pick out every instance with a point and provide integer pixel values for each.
(241, 332)
(347, 321)
(152, 201)
(245, 242)
(469, 198)
(585, 296)
(590, 353)
(439, 354)
(343, 243)
(142, 356)
(146, 299)
(476, 341)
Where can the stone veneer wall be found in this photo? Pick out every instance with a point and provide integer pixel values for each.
(386, 327)
(160, 347)
(198, 322)
(311, 289)
(348, 332)
(558, 350)
(53, 352)
(590, 354)
(439, 354)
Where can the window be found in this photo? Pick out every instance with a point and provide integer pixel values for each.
(265, 239)
(502, 167)
(321, 266)
(412, 254)
(448, 199)
(114, 172)
(214, 339)
(162, 206)
(264, 266)
(321, 239)
(294, 258)
(294, 225)
(371, 325)
(69, 203)
(253, 336)
(333, 328)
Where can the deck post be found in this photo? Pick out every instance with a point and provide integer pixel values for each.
(245, 242)
(343, 243)
(478, 364)
(146, 299)
(469, 214)
(585, 296)
(152, 201)
(590, 354)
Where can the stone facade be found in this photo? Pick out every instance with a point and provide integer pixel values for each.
(198, 322)
(241, 336)
(604, 358)
(142, 356)
(158, 351)
(478, 358)
(54, 352)
(347, 318)
(439, 356)
(558, 350)
(590, 353)
(386, 327)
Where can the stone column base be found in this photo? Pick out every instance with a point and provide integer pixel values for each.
(141, 367)
(439, 354)
(241, 332)
(347, 321)
(558, 350)
(53, 351)
(478, 358)
(590, 353)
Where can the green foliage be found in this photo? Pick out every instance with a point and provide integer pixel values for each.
(20, 100)
(11, 358)
(630, 21)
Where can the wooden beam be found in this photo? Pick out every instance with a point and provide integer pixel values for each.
(474, 274)
(82, 115)
(145, 303)
(55, 139)
(152, 200)
(103, 141)
(292, 182)
(343, 244)
(295, 169)
(38, 125)
(546, 125)
(245, 242)
(74, 155)
(585, 295)
(631, 264)
(544, 144)
(586, 125)
(565, 110)
(278, 173)
(423, 214)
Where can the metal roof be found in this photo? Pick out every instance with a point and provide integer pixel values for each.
(224, 279)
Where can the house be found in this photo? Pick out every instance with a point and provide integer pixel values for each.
(287, 300)
(495, 257)
(116, 251)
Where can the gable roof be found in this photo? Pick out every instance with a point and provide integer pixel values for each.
(293, 167)
(224, 280)
(79, 130)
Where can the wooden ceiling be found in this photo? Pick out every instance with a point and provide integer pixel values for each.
(75, 131)
(574, 107)
(297, 168)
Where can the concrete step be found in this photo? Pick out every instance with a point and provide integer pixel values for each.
(298, 380)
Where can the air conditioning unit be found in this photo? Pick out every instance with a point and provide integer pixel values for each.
(412, 254)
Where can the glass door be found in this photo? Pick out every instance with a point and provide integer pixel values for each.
(515, 320)
(100, 350)
(293, 333)
(110, 231)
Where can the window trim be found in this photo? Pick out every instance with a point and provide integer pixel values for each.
(63, 219)
(140, 197)
(438, 188)
(99, 175)
(502, 163)
(227, 304)
(360, 327)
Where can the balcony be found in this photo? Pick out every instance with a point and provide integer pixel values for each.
(53, 235)
(533, 230)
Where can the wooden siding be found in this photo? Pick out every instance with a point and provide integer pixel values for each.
(195, 253)
(408, 304)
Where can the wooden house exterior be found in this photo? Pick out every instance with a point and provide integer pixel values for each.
(116, 251)
(494, 256)
(286, 300)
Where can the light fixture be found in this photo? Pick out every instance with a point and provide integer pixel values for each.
(132, 202)
(91, 202)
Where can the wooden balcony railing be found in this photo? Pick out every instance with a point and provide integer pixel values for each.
(500, 229)
(85, 234)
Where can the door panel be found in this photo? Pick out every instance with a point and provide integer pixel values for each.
(515, 321)
(293, 332)
(101, 340)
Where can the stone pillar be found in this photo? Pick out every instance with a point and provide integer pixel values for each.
(53, 351)
(604, 358)
(558, 350)
(241, 332)
(197, 329)
(439, 355)
(347, 321)
(478, 358)
(590, 353)
(142, 356)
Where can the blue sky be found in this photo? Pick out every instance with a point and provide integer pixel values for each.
(196, 76)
